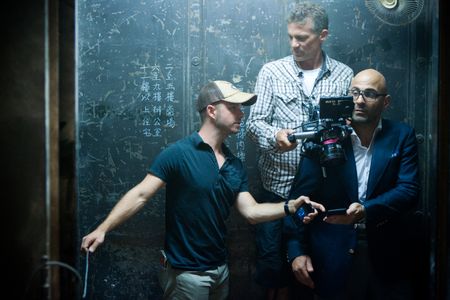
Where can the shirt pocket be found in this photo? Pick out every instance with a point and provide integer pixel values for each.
(332, 89)
(393, 163)
(289, 108)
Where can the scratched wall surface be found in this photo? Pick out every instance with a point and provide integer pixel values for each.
(140, 65)
(131, 74)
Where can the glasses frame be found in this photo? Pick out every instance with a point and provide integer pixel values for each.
(364, 96)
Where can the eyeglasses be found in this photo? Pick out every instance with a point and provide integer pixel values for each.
(368, 95)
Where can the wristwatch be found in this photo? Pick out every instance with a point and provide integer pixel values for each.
(286, 208)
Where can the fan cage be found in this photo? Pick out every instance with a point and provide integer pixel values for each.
(395, 13)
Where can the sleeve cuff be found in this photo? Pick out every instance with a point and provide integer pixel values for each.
(293, 250)
(272, 137)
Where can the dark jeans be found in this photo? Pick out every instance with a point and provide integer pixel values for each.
(272, 270)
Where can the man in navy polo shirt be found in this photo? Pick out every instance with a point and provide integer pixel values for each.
(203, 181)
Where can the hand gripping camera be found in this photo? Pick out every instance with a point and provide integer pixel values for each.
(325, 130)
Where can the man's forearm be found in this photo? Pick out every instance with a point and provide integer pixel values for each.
(262, 134)
(264, 212)
(130, 203)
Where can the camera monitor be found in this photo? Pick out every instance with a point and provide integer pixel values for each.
(336, 107)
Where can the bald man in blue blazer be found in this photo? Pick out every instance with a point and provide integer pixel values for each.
(361, 253)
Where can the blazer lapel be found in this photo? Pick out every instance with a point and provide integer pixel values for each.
(349, 171)
(382, 151)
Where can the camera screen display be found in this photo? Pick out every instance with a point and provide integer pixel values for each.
(336, 107)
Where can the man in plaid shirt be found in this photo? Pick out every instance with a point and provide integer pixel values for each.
(287, 89)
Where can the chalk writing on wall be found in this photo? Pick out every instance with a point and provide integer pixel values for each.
(157, 97)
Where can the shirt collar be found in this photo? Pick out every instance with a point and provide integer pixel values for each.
(355, 137)
(197, 139)
(324, 69)
(326, 66)
(379, 126)
(198, 143)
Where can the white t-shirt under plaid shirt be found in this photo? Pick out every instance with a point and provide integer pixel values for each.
(283, 104)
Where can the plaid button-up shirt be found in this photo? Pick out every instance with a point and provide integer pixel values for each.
(282, 104)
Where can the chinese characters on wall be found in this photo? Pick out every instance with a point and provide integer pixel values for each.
(157, 98)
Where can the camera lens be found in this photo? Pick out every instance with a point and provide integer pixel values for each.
(332, 155)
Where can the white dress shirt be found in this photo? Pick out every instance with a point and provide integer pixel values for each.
(363, 160)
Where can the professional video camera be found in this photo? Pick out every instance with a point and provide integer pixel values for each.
(326, 130)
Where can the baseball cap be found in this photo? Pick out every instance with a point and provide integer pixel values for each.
(225, 91)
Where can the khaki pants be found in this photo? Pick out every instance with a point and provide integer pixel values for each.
(198, 285)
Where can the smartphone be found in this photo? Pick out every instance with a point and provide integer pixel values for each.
(302, 212)
(336, 211)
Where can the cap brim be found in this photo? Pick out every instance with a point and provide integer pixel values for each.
(242, 98)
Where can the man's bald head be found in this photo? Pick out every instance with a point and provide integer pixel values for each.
(371, 77)
(370, 97)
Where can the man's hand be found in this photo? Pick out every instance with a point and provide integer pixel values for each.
(355, 212)
(302, 266)
(91, 241)
(295, 204)
(282, 140)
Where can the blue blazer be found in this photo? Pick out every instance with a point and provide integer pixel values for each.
(392, 193)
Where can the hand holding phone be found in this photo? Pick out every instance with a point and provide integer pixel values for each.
(347, 216)
(302, 212)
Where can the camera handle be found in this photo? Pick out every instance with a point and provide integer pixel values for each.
(293, 137)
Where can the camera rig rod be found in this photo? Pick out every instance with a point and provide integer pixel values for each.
(301, 135)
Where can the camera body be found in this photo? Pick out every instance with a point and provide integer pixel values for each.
(326, 129)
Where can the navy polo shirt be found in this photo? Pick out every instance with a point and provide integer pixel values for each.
(199, 196)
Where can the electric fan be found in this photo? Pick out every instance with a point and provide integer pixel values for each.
(395, 12)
